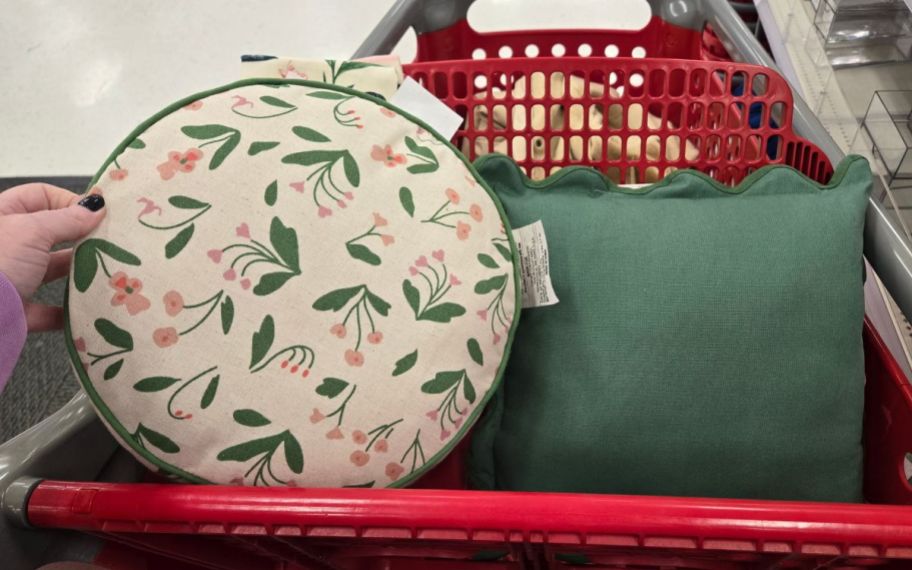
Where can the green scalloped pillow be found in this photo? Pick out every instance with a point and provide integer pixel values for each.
(707, 341)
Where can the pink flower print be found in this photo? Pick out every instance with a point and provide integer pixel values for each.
(387, 156)
(394, 471)
(432, 415)
(230, 275)
(382, 446)
(359, 458)
(445, 433)
(422, 261)
(458, 423)
(359, 437)
(413, 270)
(438, 255)
(80, 344)
(496, 338)
(289, 69)
(149, 207)
(387, 112)
(245, 283)
(462, 230)
(324, 211)
(215, 255)
(387, 239)
(237, 481)
(317, 416)
(297, 187)
(354, 358)
(475, 212)
(335, 433)
(174, 303)
(482, 314)
(179, 162)
(470, 180)
(195, 106)
(375, 337)
(119, 174)
(452, 196)
(379, 221)
(454, 281)
(419, 131)
(127, 292)
(165, 337)
(349, 196)
(338, 330)
(341, 203)
(243, 230)
(241, 102)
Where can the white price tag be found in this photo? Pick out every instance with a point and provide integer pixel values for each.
(535, 272)
(418, 101)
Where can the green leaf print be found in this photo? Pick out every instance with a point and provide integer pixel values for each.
(162, 442)
(209, 394)
(351, 169)
(328, 95)
(311, 157)
(408, 203)
(442, 313)
(309, 134)
(424, 154)
(227, 310)
(367, 485)
(475, 351)
(186, 203)
(257, 147)
(276, 102)
(267, 446)
(504, 251)
(406, 363)
(112, 370)
(335, 300)
(332, 387)
(90, 254)
(294, 457)
(137, 144)
(155, 383)
(114, 335)
(363, 253)
(285, 242)
(492, 284)
(271, 282)
(442, 382)
(272, 193)
(468, 390)
(378, 304)
(177, 244)
(487, 261)
(215, 134)
(412, 296)
(262, 341)
(250, 418)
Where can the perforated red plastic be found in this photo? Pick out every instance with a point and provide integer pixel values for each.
(637, 120)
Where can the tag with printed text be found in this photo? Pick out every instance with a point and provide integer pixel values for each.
(537, 290)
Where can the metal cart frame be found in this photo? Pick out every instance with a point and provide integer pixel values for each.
(73, 444)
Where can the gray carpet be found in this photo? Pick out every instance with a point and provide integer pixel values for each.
(42, 381)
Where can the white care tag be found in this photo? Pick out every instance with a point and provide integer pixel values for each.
(537, 290)
(420, 102)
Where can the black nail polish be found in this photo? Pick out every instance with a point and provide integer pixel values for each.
(92, 203)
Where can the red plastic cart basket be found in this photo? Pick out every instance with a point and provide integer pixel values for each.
(740, 117)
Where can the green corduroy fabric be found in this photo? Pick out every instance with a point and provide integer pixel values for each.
(707, 341)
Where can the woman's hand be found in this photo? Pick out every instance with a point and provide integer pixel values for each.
(33, 218)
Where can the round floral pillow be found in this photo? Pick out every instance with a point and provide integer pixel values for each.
(295, 284)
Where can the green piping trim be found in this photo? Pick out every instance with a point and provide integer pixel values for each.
(115, 424)
(742, 187)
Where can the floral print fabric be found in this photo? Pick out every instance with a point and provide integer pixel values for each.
(295, 285)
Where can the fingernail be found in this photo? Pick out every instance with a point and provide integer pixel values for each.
(92, 203)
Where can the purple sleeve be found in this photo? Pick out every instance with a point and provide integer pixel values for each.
(12, 328)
